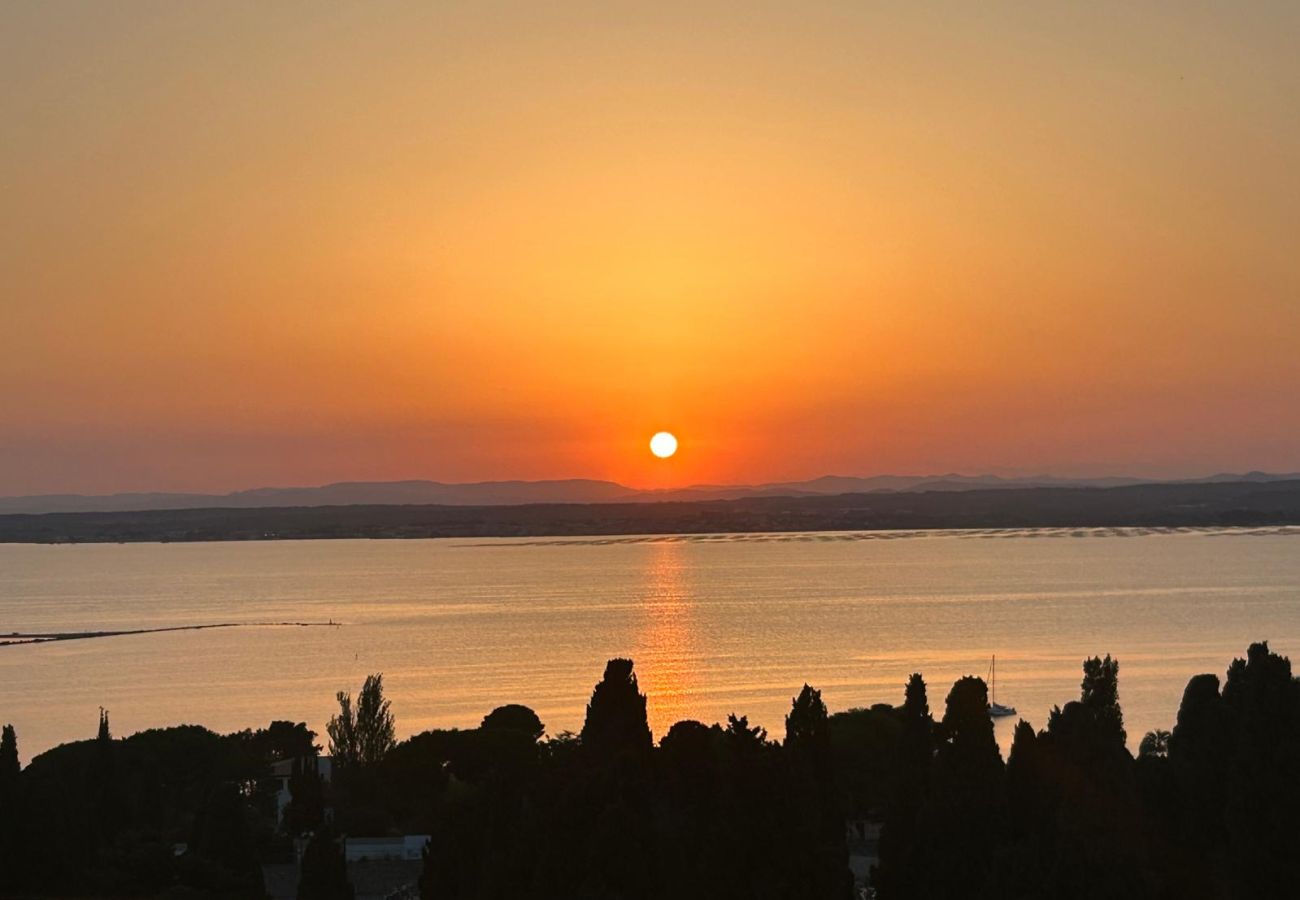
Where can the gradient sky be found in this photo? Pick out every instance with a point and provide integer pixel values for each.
(246, 244)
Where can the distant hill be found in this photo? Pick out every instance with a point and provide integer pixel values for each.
(572, 490)
(345, 493)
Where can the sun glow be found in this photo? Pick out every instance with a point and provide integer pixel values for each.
(663, 444)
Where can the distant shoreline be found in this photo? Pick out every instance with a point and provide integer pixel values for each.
(19, 639)
(1220, 504)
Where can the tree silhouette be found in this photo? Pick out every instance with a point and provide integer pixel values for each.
(897, 876)
(742, 736)
(918, 732)
(822, 869)
(1027, 803)
(280, 740)
(1199, 749)
(1089, 733)
(807, 727)
(1201, 734)
(966, 740)
(916, 706)
(10, 816)
(9, 767)
(306, 809)
(514, 717)
(1033, 800)
(223, 839)
(1075, 807)
(616, 724)
(324, 871)
(1100, 695)
(963, 821)
(1263, 778)
(361, 737)
(713, 811)
(105, 789)
(687, 752)
(1154, 743)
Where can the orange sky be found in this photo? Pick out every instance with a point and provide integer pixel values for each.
(245, 244)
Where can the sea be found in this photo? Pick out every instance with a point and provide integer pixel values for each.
(716, 624)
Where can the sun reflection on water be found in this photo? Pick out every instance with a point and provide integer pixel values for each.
(666, 654)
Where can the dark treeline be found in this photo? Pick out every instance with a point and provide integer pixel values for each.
(1206, 810)
(1144, 505)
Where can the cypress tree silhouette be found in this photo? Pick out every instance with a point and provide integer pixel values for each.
(1024, 866)
(1263, 783)
(918, 728)
(616, 724)
(897, 873)
(966, 733)
(1089, 732)
(324, 871)
(9, 767)
(822, 871)
(306, 809)
(105, 791)
(807, 727)
(1025, 784)
(612, 846)
(1075, 797)
(1100, 696)
(963, 821)
(10, 817)
(1200, 736)
(916, 706)
(1199, 749)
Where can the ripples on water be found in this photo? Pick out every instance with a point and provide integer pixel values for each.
(716, 623)
(784, 537)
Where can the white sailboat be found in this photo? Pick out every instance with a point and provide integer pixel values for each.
(996, 709)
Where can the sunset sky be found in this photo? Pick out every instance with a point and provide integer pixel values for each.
(249, 244)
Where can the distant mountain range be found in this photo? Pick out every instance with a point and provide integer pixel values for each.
(573, 490)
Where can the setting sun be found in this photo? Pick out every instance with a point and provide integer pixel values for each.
(350, 319)
(663, 444)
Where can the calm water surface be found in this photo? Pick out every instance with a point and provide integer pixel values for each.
(716, 623)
